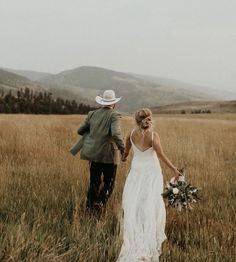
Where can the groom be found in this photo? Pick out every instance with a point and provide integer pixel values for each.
(101, 146)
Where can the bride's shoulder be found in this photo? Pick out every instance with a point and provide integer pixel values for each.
(155, 135)
(129, 133)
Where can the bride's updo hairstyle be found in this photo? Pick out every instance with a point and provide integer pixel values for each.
(143, 118)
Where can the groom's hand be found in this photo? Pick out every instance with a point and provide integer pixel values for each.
(123, 159)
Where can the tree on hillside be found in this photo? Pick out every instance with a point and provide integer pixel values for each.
(29, 102)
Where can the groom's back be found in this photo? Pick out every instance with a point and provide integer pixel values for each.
(100, 143)
(100, 122)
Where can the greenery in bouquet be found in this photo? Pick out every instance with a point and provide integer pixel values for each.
(180, 194)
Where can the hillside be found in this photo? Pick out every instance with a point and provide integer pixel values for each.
(194, 106)
(11, 81)
(135, 91)
(32, 75)
(205, 91)
(14, 82)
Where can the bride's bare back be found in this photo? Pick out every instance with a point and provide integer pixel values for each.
(142, 140)
(145, 140)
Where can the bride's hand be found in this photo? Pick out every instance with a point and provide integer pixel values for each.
(177, 174)
(124, 157)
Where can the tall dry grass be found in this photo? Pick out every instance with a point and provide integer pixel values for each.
(43, 190)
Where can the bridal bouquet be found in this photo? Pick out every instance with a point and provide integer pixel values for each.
(180, 194)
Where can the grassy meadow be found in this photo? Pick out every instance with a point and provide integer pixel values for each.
(43, 191)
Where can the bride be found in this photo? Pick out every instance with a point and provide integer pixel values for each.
(143, 206)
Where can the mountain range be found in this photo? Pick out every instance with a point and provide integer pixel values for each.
(84, 83)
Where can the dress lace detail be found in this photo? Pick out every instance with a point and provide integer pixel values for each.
(144, 209)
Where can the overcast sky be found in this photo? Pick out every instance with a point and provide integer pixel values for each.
(188, 40)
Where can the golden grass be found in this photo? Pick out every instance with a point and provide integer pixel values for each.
(43, 190)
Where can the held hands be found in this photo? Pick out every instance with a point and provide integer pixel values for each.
(124, 156)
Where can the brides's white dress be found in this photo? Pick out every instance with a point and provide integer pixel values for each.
(144, 209)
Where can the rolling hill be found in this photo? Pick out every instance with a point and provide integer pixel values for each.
(205, 91)
(84, 83)
(11, 81)
(32, 75)
(14, 82)
(136, 91)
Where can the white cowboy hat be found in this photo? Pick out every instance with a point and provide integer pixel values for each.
(108, 98)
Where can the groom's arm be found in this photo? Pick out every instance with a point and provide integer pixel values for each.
(84, 128)
(127, 147)
(116, 132)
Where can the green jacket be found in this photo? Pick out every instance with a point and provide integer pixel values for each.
(102, 140)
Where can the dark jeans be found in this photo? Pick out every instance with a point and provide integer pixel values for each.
(100, 189)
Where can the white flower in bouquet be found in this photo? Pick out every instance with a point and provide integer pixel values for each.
(181, 178)
(175, 190)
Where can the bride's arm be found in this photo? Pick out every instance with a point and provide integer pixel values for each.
(127, 147)
(160, 153)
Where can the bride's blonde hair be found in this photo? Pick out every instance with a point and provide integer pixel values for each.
(143, 118)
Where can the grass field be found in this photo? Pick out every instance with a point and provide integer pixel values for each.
(43, 190)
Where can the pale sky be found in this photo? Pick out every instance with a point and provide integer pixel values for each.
(188, 40)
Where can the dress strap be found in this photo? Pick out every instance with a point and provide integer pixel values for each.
(131, 135)
(152, 139)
